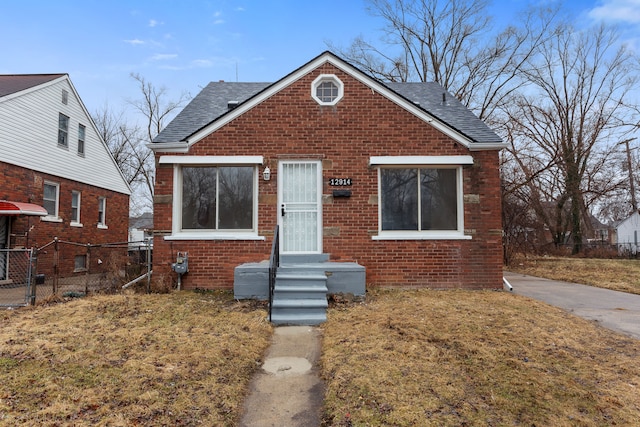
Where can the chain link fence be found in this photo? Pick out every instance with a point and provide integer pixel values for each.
(69, 269)
(15, 277)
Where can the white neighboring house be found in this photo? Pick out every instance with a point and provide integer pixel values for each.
(628, 232)
(54, 161)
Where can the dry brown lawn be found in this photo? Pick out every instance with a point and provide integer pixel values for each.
(181, 359)
(617, 274)
(474, 358)
(401, 358)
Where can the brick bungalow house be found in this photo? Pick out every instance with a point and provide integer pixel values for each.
(57, 176)
(399, 180)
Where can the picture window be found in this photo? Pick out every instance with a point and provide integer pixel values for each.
(218, 198)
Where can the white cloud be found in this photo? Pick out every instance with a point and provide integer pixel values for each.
(163, 56)
(201, 63)
(617, 10)
(153, 23)
(134, 42)
(218, 22)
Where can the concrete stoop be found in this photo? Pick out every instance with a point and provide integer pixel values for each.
(299, 297)
(302, 285)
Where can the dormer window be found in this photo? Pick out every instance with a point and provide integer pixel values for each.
(327, 89)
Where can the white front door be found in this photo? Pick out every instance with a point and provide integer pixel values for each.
(300, 206)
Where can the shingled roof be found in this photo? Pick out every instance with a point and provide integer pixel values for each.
(219, 98)
(13, 83)
(208, 105)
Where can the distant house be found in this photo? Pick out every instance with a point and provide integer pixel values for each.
(399, 179)
(628, 234)
(57, 176)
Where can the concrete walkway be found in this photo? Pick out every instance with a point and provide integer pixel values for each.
(287, 391)
(618, 311)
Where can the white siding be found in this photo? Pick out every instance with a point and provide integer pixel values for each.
(628, 232)
(29, 137)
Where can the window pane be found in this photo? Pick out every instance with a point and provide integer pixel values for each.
(102, 205)
(80, 262)
(438, 199)
(50, 206)
(75, 206)
(327, 91)
(81, 133)
(50, 198)
(399, 189)
(63, 128)
(50, 192)
(199, 197)
(236, 198)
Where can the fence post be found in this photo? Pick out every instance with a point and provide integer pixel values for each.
(148, 265)
(56, 270)
(33, 283)
(87, 266)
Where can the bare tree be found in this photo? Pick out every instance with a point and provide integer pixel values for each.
(452, 43)
(127, 140)
(127, 145)
(154, 106)
(565, 127)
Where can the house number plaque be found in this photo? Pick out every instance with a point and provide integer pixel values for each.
(340, 182)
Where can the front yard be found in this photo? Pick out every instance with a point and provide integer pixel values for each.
(400, 358)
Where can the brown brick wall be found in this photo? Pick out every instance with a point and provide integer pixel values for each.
(25, 185)
(291, 124)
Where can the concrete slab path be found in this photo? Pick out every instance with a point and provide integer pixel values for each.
(615, 310)
(287, 391)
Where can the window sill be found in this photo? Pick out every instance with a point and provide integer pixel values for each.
(213, 236)
(400, 235)
(103, 227)
(76, 224)
(51, 219)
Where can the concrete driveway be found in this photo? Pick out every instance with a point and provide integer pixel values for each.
(618, 311)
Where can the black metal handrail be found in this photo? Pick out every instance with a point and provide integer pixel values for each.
(274, 263)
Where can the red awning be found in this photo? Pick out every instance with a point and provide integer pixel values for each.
(19, 208)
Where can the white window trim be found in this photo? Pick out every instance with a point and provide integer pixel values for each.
(176, 230)
(211, 160)
(327, 78)
(103, 225)
(56, 217)
(410, 161)
(421, 162)
(76, 223)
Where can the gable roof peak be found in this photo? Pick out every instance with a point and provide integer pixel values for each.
(209, 110)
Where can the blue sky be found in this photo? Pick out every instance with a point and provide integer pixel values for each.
(183, 45)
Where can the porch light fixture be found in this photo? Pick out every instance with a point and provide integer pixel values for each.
(266, 174)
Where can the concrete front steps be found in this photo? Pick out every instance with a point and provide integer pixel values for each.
(299, 297)
(302, 285)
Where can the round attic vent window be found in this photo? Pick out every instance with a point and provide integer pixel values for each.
(327, 89)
